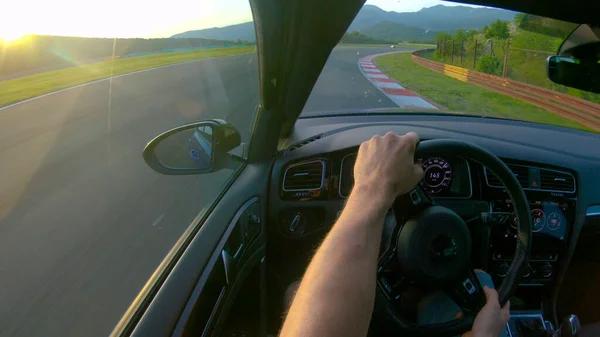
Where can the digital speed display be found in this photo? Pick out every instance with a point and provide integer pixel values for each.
(442, 178)
(437, 175)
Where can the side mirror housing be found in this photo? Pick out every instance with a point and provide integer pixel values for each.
(576, 64)
(195, 148)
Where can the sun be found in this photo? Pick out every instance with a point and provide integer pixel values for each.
(11, 36)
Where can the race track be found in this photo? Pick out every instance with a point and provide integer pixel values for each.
(83, 221)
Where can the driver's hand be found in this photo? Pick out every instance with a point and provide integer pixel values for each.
(492, 319)
(385, 166)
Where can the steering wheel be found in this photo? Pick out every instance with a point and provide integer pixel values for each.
(431, 245)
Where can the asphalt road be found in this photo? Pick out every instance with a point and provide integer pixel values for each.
(83, 221)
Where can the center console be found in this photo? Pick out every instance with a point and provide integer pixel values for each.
(552, 219)
(553, 204)
(527, 325)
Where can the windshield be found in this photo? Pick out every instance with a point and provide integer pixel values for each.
(433, 56)
(84, 222)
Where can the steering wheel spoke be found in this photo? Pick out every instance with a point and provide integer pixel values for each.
(412, 203)
(420, 198)
(466, 292)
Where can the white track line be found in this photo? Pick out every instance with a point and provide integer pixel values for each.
(109, 78)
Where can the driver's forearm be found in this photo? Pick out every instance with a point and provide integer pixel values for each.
(337, 292)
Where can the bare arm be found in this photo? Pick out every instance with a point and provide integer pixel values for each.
(337, 292)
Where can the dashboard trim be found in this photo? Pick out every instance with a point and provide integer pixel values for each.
(535, 189)
(305, 189)
(340, 177)
(470, 183)
(593, 211)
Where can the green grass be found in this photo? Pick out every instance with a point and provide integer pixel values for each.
(386, 45)
(22, 88)
(535, 41)
(458, 96)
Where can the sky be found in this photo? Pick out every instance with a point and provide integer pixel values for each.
(139, 18)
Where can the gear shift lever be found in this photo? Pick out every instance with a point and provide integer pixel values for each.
(569, 327)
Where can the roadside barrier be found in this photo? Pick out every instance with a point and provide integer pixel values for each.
(574, 108)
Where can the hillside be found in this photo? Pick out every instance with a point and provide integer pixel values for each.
(40, 51)
(242, 31)
(436, 18)
(535, 41)
(358, 38)
(392, 31)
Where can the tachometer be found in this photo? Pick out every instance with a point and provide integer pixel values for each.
(438, 175)
(538, 218)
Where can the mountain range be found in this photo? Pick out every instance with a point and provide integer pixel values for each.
(242, 31)
(436, 18)
(389, 25)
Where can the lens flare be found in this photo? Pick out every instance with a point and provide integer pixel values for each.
(11, 36)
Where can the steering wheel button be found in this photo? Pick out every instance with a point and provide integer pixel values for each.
(415, 197)
(469, 286)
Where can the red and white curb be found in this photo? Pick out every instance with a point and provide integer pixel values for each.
(398, 94)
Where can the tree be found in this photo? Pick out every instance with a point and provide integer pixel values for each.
(497, 30)
(490, 64)
(542, 25)
(460, 35)
(442, 36)
(471, 33)
(520, 19)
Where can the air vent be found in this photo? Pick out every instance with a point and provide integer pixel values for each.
(557, 181)
(298, 145)
(304, 176)
(520, 172)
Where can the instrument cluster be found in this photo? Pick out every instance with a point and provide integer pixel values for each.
(442, 178)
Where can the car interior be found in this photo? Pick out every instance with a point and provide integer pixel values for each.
(528, 194)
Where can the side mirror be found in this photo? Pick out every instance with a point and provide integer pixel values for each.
(576, 65)
(195, 148)
(583, 74)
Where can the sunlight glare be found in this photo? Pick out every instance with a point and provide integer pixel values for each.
(11, 36)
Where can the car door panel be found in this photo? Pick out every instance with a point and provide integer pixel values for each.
(212, 298)
(203, 283)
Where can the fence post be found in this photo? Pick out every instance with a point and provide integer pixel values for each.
(452, 59)
(462, 50)
(475, 55)
(444, 49)
(505, 68)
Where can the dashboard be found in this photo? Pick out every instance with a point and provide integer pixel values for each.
(443, 178)
(313, 176)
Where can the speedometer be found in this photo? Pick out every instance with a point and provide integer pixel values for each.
(438, 175)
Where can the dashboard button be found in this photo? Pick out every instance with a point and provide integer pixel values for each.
(295, 223)
(547, 270)
(502, 269)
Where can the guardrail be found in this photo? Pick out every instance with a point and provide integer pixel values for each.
(577, 109)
